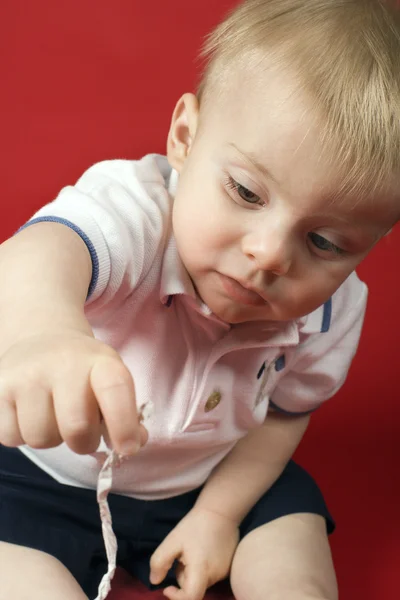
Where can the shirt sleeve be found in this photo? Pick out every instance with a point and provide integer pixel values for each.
(120, 209)
(318, 367)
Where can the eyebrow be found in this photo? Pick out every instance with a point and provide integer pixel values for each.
(250, 157)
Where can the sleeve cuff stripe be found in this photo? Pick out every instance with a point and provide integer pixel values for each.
(85, 239)
(288, 412)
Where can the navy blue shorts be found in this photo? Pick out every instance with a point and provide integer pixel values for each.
(38, 512)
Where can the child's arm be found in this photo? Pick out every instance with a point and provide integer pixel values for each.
(252, 466)
(45, 271)
(204, 542)
(56, 381)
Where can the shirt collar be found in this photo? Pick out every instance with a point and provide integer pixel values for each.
(318, 321)
(174, 277)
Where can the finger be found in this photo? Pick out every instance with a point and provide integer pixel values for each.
(175, 593)
(10, 434)
(180, 574)
(77, 414)
(143, 435)
(114, 389)
(36, 418)
(162, 560)
(193, 582)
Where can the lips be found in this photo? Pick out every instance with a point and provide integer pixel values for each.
(237, 292)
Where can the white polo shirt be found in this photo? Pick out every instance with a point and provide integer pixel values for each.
(209, 383)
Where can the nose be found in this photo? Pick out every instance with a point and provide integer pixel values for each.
(270, 249)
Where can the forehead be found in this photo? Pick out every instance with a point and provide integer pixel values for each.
(266, 112)
(267, 115)
(259, 95)
(272, 122)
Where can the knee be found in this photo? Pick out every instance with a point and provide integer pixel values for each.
(246, 587)
(280, 562)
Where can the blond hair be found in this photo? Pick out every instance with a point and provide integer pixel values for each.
(346, 55)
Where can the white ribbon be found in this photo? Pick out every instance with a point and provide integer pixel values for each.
(104, 485)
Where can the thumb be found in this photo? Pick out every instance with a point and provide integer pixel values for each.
(162, 560)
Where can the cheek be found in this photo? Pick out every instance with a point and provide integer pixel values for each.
(191, 232)
(201, 219)
(316, 289)
(190, 221)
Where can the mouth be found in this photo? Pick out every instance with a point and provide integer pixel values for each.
(239, 293)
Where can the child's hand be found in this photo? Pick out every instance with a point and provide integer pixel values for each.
(60, 387)
(204, 543)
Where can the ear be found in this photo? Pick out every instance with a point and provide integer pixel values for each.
(182, 130)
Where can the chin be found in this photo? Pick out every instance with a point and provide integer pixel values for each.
(226, 313)
(235, 315)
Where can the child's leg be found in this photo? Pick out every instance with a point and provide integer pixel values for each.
(27, 574)
(46, 527)
(286, 559)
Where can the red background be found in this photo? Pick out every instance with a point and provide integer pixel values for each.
(86, 80)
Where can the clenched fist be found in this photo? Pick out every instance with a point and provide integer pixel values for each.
(67, 387)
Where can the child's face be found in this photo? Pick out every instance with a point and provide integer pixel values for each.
(253, 216)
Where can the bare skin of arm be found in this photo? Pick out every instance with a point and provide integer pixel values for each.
(57, 382)
(252, 466)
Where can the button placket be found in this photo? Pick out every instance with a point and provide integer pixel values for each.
(265, 376)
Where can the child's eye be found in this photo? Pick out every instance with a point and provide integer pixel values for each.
(243, 192)
(325, 245)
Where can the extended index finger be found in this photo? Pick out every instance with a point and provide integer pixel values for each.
(113, 386)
